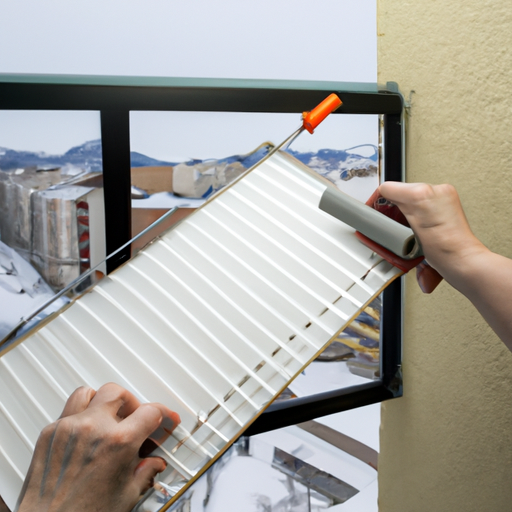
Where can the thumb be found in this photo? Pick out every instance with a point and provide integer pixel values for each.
(404, 193)
(146, 471)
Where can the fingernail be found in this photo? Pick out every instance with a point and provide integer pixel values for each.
(155, 408)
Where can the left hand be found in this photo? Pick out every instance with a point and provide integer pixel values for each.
(89, 460)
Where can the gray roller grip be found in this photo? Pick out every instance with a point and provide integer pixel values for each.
(395, 237)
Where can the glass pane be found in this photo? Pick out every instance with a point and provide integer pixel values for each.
(308, 467)
(230, 305)
(51, 205)
(182, 158)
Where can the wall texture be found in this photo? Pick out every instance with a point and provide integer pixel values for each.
(447, 444)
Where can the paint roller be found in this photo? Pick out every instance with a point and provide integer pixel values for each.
(391, 239)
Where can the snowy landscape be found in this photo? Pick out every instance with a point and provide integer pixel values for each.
(351, 170)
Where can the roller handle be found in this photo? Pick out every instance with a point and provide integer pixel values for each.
(375, 225)
(310, 120)
(427, 277)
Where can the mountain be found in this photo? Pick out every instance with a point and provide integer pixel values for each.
(86, 156)
(140, 160)
(338, 164)
(334, 164)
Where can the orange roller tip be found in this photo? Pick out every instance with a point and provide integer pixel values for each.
(310, 120)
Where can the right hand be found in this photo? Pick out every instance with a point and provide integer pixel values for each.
(484, 277)
(435, 214)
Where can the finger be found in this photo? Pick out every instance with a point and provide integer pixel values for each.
(400, 193)
(141, 424)
(78, 401)
(146, 471)
(427, 277)
(170, 421)
(118, 400)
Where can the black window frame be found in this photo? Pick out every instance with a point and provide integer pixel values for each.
(115, 97)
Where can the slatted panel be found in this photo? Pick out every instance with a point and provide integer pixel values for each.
(213, 319)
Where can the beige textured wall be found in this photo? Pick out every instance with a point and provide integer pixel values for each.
(447, 444)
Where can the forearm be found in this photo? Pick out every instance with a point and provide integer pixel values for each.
(486, 280)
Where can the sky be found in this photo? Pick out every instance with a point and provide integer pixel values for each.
(332, 40)
(288, 39)
(53, 132)
(181, 136)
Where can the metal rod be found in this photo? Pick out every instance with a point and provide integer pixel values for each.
(81, 278)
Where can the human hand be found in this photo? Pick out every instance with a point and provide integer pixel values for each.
(435, 214)
(89, 459)
(3, 506)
